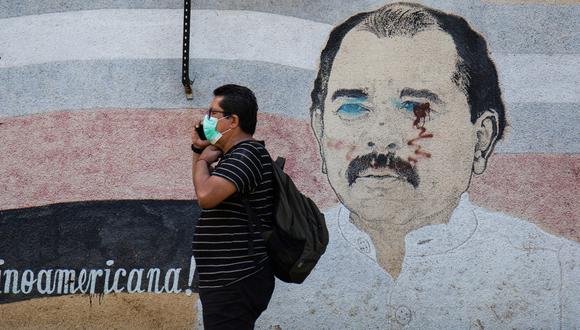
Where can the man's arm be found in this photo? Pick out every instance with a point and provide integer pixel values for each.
(210, 190)
(194, 158)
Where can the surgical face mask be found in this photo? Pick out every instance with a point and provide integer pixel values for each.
(210, 129)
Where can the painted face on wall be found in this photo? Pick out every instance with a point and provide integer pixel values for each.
(396, 134)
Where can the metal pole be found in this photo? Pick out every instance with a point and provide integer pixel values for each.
(185, 63)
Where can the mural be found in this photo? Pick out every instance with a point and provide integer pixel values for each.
(406, 109)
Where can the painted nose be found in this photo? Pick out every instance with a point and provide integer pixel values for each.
(391, 147)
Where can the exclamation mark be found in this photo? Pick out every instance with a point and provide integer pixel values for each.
(191, 272)
(2, 263)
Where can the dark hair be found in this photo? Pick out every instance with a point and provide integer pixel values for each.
(476, 75)
(241, 101)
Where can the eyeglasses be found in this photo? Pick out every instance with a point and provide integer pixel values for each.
(210, 111)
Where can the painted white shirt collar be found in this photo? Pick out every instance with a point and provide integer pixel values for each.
(428, 240)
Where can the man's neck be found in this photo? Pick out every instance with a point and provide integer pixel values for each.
(388, 236)
(235, 139)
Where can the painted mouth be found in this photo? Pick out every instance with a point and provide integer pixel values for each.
(389, 177)
(381, 167)
(379, 176)
(382, 171)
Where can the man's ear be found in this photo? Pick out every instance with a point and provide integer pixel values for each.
(235, 121)
(317, 124)
(486, 131)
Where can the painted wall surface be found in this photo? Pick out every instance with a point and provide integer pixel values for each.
(439, 217)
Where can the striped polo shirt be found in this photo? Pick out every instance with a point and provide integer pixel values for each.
(220, 240)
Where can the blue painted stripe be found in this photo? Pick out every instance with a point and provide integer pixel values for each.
(148, 83)
(542, 128)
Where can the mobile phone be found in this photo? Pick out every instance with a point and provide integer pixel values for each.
(200, 133)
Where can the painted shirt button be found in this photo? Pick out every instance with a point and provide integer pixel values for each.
(363, 245)
(403, 315)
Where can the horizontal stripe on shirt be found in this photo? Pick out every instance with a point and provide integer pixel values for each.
(223, 281)
(232, 257)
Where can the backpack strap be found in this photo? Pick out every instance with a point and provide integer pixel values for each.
(252, 220)
(280, 161)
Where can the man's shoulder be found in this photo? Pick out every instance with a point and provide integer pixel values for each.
(249, 149)
(252, 145)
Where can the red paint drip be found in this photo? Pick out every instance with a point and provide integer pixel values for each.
(421, 111)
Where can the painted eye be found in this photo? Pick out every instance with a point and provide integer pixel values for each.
(408, 106)
(352, 110)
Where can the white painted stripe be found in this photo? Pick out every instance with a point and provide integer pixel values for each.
(156, 34)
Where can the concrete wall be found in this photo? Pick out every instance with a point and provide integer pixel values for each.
(95, 174)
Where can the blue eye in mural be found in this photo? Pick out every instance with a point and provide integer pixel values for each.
(408, 106)
(353, 108)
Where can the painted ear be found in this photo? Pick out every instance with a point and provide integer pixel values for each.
(486, 130)
(318, 127)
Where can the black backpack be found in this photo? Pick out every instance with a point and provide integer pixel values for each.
(299, 236)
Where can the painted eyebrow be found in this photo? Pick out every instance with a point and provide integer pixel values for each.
(354, 93)
(424, 93)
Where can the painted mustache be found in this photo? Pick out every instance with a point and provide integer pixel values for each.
(400, 167)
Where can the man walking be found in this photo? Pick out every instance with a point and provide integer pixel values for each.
(235, 277)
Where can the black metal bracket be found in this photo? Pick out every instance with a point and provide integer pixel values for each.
(185, 63)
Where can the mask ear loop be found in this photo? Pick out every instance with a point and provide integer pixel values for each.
(229, 129)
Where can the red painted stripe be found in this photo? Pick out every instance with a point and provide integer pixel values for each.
(542, 188)
(128, 154)
(144, 154)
